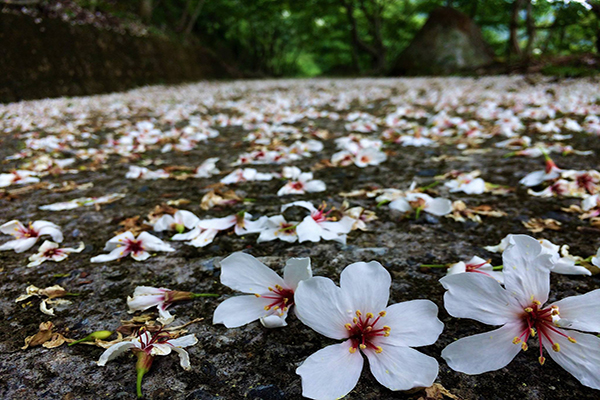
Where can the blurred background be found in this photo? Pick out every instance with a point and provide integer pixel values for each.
(76, 47)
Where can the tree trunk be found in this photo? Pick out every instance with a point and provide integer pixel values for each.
(513, 40)
(530, 26)
(596, 11)
(194, 17)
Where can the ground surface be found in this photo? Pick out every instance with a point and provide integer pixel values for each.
(254, 362)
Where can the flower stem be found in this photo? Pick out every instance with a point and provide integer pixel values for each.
(431, 185)
(196, 295)
(498, 268)
(382, 202)
(418, 212)
(434, 265)
(140, 376)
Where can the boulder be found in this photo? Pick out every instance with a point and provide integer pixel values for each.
(449, 42)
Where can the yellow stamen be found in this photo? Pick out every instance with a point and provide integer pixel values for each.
(382, 313)
(257, 295)
(537, 302)
(278, 287)
(542, 360)
(362, 346)
(532, 332)
(348, 326)
(516, 340)
(270, 289)
(285, 300)
(529, 309)
(352, 350)
(571, 339)
(267, 308)
(378, 349)
(369, 315)
(556, 347)
(386, 328)
(276, 308)
(368, 329)
(284, 309)
(386, 334)
(524, 346)
(358, 313)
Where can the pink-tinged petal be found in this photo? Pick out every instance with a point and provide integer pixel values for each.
(274, 320)
(117, 240)
(330, 373)
(152, 243)
(580, 359)
(140, 255)
(478, 297)
(143, 302)
(296, 270)
(149, 290)
(366, 286)
(119, 252)
(402, 368)
(11, 227)
(19, 245)
(244, 273)
(526, 270)
(309, 230)
(412, 323)
(321, 305)
(582, 312)
(164, 223)
(187, 218)
(114, 351)
(484, 352)
(219, 224)
(240, 310)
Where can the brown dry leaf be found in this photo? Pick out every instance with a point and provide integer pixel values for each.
(536, 225)
(133, 225)
(573, 208)
(45, 337)
(178, 202)
(322, 165)
(218, 198)
(595, 222)
(161, 210)
(71, 185)
(438, 392)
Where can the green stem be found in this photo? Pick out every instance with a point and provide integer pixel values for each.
(140, 376)
(381, 203)
(498, 268)
(511, 154)
(72, 294)
(434, 265)
(195, 295)
(418, 212)
(431, 185)
(249, 200)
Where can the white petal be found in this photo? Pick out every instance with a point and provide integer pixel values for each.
(566, 266)
(366, 286)
(400, 204)
(581, 359)
(344, 225)
(219, 224)
(184, 341)
(204, 239)
(330, 373)
(10, 227)
(242, 272)
(533, 178)
(184, 358)
(240, 310)
(309, 230)
(583, 311)
(315, 186)
(296, 270)
(148, 291)
(478, 297)
(304, 204)
(164, 223)
(114, 351)
(44, 308)
(274, 320)
(438, 206)
(321, 305)
(188, 218)
(402, 368)
(152, 243)
(140, 303)
(484, 352)
(191, 235)
(165, 316)
(526, 271)
(412, 323)
(19, 245)
(119, 252)
(140, 255)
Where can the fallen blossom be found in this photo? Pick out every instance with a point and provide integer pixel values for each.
(551, 172)
(18, 178)
(272, 296)
(82, 202)
(300, 183)
(246, 175)
(136, 172)
(468, 183)
(318, 225)
(207, 169)
(536, 225)
(50, 296)
(26, 237)
(422, 202)
(126, 243)
(216, 198)
(357, 313)
(276, 227)
(179, 221)
(519, 308)
(45, 337)
(476, 265)
(50, 251)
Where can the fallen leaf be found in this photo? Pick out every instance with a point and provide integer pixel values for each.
(536, 225)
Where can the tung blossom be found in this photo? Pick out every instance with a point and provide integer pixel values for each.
(357, 313)
(272, 296)
(20, 177)
(146, 346)
(520, 307)
(476, 265)
(126, 243)
(276, 227)
(27, 236)
(318, 225)
(468, 183)
(550, 173)
(300, 183)
(50, 251)
(178, 222)
(422, 202)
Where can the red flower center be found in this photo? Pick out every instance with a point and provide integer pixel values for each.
(364, 330)
(282, 298)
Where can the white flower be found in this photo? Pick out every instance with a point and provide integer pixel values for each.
(246, 174)
(357, 313)
(369, 156)
(476, 265)
(519, 308)
(26, 237)
(49, 251)
(468, 183)
(207, 169)
(126, 243)
(178, 222)
(136, 172)
(591, 202)
(561, 265)
(272, 296)
(301, 182)
(596, 259)
(241, 222)
(535, 178)
(18, 178)
(421, 201)
(500, 247)
(276, 227)
(317, 225)
(145, 297)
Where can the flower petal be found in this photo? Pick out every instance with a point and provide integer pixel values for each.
(114, 351)
(478, 297)
(184, 341)
(152, 243)
(119, 252)
(526, 270)
(583, 312)
(188, 218)
(330, 373)
(164, 223)
(321, 305)
(296, 270)
(412, 323)
(484, 352)
(184, 358)
(367, 286)
(581, 359)
(240, 310)
(402, 368)
(244, 273)
(274, 320)
(309, 230)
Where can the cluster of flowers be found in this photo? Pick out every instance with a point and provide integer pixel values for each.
(358, 315)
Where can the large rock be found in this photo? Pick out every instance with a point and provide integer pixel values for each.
(449, 42)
